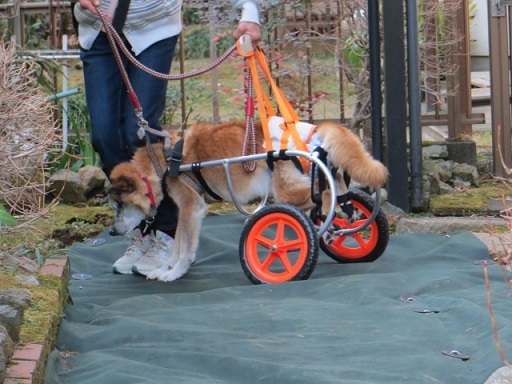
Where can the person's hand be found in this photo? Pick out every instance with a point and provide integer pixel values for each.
(90, 5)
(248, 28)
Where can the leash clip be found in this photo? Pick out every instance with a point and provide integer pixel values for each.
(142, 123)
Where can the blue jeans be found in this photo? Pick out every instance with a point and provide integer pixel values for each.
(113, 121)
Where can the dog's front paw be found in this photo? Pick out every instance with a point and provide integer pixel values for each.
(166, 274)
(155, 273)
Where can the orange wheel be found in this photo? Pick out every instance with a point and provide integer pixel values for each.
(279, 243)
(364, 246)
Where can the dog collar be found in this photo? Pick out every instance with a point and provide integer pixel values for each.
(150, 218)
(149, 194)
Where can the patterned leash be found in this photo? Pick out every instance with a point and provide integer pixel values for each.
(249, 147)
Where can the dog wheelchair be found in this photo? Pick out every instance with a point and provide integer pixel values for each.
(280, 242)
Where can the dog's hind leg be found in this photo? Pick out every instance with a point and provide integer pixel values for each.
(290, 186)
(192, 208)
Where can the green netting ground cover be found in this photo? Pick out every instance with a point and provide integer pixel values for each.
(346, 324)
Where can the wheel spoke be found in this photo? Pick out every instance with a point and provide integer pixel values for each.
(264, 241)
(360, 240)
(283, 256)
(265, 265)
(280, 237)
(291, 245)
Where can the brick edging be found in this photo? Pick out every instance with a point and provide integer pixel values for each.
(28, 360)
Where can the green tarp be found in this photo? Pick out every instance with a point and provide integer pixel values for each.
(348, 323)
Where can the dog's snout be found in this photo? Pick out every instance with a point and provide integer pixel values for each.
(113, 232)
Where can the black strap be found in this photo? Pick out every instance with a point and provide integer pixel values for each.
(272, 158)
(322, 182)
(174, 158)
(120, 15)
(196, 168)
(346, 205)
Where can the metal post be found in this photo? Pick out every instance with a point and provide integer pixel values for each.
(395, 103)
(375, 80)
(308, 62)
(413, 71)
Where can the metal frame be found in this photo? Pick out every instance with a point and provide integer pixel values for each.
(292, 153)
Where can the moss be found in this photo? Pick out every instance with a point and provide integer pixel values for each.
(63, 225)
(45, 309)
(471, 200)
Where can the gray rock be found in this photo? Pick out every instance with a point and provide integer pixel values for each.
(431, 172)
(485, 166)
(435, 151)
(93, 178)
(462, 151)
(10, 318)
(445, 188)
(467, 173)
(6, 351)
(459, 183)
(391, 210)
(27, 280)
(426, 192)
(445, 169)
(17, 299)
(68, 186)
(502, 375)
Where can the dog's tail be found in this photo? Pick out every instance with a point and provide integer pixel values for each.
(348, 152)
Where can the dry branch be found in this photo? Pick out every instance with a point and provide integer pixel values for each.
(27, 136)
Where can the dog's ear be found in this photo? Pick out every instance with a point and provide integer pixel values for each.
(123, 179)
(122, 184)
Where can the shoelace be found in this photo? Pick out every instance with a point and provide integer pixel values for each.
(136, 244)
(159, 249)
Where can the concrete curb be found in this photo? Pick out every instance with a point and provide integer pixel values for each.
(494, 232)
(28, 361)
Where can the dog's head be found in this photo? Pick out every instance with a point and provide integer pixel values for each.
(132, 196)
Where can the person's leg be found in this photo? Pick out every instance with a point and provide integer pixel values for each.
(151, 92)
(105, 94)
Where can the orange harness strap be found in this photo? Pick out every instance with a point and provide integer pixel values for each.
(265, 107)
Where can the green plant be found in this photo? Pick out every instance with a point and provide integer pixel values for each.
(79, 151)
(6, 218)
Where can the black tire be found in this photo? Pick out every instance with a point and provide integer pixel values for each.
(364, 246)
(271, 257)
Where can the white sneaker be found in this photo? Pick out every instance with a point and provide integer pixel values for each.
(157, 254)
(138, 247)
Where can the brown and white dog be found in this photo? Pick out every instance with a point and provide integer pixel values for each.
(131, 182)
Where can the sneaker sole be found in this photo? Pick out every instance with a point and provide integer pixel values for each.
(135, 271)
(118, 271)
